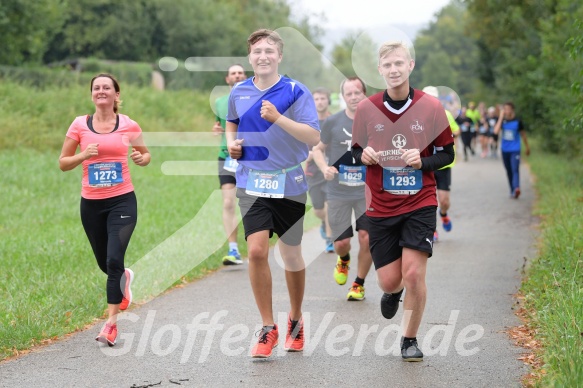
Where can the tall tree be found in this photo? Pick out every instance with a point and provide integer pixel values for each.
(532, 65)
(445, 47)
(26, 27)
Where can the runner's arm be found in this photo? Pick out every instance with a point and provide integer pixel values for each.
(140, 153)
(441, 158)
(498, 125)
(68, 160)
(526, 146)
(233, 144)
(318, 153)
(300, 131)
(356, 151)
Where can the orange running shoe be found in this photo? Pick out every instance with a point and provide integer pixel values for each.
(127, 291)
(294, 339)
(268, 338)
(108, 334)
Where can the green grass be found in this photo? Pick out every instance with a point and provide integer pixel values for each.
(50, 284)
(553, 288)
(49, 280)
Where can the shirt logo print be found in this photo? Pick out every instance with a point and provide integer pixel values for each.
(399, 141)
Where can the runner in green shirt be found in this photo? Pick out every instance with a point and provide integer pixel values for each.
(227, 168)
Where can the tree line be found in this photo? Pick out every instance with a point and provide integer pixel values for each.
(530, 52)
(46, 31)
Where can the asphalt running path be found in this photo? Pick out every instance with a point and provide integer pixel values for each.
(471, 278)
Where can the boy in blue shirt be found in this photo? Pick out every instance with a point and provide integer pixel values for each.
(271, 120)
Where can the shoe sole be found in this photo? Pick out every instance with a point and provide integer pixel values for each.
(353, 299)
(264, 355)
(104, 340)
(291, 350)
(232, 262)
(413, 359)
(128, 290)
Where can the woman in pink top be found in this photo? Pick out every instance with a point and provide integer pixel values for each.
(108, 203)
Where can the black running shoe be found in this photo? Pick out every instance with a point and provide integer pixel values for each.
(390, 304)
(410, 351)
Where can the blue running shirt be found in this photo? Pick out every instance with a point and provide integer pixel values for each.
(267, 146)
(510, 135)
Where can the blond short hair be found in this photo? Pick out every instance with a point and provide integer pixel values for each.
(388, 47)
(271, 36)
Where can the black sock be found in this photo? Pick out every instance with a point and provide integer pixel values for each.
(345, 258)
(269, 328)
(407, 339)
(443, 215)
(359, 281)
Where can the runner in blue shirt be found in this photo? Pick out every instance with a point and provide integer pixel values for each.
(271, 121)
(512, 130)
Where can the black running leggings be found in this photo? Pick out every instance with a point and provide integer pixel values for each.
(467, 140)
(109, 224)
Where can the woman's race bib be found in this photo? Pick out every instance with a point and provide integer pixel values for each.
(104, 174)
(402, 180)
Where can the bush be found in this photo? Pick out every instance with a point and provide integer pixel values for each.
(42, 77)
(134, 73)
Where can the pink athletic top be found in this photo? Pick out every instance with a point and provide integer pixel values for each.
(106, 175)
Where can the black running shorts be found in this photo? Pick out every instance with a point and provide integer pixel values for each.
(389, 235)
(224, 175)
(443, 179)
(284, 216)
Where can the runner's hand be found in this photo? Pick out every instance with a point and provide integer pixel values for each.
(217, 129)
(236, 149)
(91, 151)
(137, 157)
(369, 156)
(269, 111)
(330, 173)
(412, 158)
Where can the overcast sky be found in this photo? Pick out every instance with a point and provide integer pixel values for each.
(378, 18)
(369, 13)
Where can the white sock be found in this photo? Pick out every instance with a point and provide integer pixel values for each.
(233, 246)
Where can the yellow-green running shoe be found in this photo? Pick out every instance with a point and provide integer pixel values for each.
(356, 292)
(341, 271)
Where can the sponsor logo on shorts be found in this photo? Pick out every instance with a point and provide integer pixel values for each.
(299, 179)
(430, 242)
